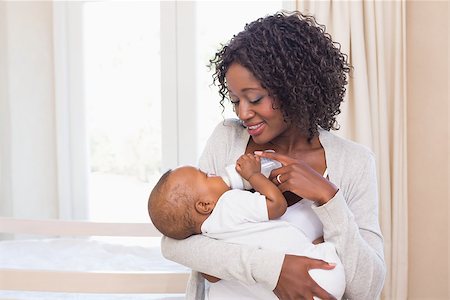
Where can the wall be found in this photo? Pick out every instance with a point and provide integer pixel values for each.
(4, 118)
(428, 149)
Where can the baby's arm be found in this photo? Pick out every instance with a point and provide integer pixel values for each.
(249, 167)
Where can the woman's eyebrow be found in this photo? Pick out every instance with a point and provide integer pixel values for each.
(250, 89)
(245, 90)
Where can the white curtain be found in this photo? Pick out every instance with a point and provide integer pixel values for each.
(42, 157)
(372, 33)
(27, 155)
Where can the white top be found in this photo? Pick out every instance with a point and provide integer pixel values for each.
(350, 221)
(241, 217)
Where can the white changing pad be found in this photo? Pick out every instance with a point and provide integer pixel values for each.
(82, 254)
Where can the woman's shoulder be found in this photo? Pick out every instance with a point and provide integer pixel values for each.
(346, 159)
(230, 129)
(230, 124)
(344, 147)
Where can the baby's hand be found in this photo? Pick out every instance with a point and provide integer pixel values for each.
(248, 165)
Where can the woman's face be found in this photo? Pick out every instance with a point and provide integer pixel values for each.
(254, 106)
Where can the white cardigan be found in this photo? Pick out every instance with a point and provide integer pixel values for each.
(350, 221)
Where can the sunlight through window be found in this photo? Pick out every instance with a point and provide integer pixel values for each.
(123, 100)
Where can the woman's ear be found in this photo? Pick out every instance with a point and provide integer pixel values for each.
(204, 207)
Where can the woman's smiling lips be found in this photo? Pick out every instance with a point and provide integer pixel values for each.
(255, 129)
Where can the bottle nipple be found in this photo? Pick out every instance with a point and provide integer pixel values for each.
(226, 180)
(234, 178)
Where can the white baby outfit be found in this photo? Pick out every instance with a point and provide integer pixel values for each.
(241, 217)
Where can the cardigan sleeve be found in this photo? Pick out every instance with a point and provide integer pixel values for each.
(225, 260)
(350, 222)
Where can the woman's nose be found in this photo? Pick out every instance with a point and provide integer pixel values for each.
(244, 111)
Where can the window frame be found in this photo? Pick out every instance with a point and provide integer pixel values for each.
(70, 120)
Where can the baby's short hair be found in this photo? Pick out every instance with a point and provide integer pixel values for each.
(170, 208)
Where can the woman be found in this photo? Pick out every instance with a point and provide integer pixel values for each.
(286, 79)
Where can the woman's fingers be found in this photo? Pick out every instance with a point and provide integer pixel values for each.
(320, 264)
(283, 159)
(296, 283)
(317, 290)
(322, 294)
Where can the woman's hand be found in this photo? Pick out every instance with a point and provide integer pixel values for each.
(296, 283)
(299, 178)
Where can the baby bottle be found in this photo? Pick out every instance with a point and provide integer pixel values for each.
(235, 181)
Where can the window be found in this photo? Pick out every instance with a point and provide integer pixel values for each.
(144, 90)
(123, 106)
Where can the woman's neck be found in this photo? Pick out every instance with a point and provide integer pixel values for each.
(294, 141)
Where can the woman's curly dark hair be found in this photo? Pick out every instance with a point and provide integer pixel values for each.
(296, 61)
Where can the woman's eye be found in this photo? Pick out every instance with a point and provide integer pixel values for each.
(256, 100)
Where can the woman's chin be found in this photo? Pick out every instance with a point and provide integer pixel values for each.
(259, 140)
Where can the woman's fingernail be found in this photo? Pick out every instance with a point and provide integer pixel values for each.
(332, 264)
(258, 152)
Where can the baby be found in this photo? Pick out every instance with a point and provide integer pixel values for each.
(188, 201)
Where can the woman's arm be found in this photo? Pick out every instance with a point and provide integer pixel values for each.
(350, 222)
(349, 218)
(224, 260)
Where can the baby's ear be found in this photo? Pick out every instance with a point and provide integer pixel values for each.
(204, 207)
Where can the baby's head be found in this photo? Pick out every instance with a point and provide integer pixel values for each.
(182, 200)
